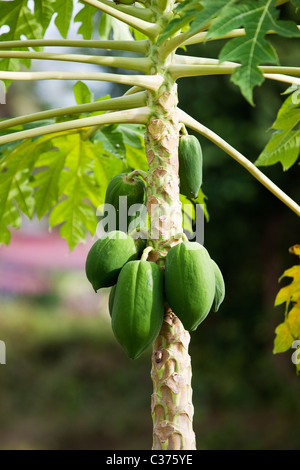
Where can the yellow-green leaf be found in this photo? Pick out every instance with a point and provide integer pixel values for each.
(283, 340)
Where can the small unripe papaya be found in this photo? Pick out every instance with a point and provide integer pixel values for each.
(220, 287)
(122, 193)
(190, 165)
(138, 306)
(107, 257)
(189, 283)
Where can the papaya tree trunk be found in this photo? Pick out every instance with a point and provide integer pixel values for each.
(172, 408)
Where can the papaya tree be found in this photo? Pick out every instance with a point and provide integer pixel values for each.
(66, 162)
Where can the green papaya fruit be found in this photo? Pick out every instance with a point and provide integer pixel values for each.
(190, 165)
(122, 192)
(189, 283)
(106, 258)
(138, 306)
(111, 299)
(220, 287)
(124, 2)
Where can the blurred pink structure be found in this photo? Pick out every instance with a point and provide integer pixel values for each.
(27, 264)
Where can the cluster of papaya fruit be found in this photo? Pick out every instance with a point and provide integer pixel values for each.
(191, 283)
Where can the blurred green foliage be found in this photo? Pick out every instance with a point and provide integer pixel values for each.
(68, 385)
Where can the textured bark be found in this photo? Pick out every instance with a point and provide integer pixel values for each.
(163, 205)
(172, 408)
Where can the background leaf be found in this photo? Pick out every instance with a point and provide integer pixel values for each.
(110, 27)
(16, 194)
(64, 12)
(284, 145)
(257, 17)
(21, 22)
(289, 331)
(43, 11)
(82, 93)
(85, 16)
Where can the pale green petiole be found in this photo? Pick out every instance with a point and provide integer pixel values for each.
(139, 64)
(142, 13)
(149, 29)
(130, 46)
(185, 39)
(217, 140)
(133, 90)
(150, 82)
(120, 103)
(187, 70)
(283, 78)
(132, 116)
(201, 37)
(227, 66)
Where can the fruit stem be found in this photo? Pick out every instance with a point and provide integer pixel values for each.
(146, 252)
(141, 173)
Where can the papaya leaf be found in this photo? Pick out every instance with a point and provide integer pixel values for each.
(112, 26)
(43, 11)
(284, 145)
(111, 139)
(183, 14)
(120, 30)
(46, 181)
(82, 93)
(84, 170)
(188, 213)
(105, 168)
(136, 158)
(195, 14)
(137, 34)
(64, 12)
(16, 193)
(283, 340)
(75, 215)
(209, 12)
(21, 21)
(85, 17)
(133, 135)
(189, 210)
(295, 250)
(133, 139)
(294, 320)
(257, 17)
(289, 331)
(105, 26)
(201, 199)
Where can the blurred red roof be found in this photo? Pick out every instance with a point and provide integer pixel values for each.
(26, 265)
(46, 251)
